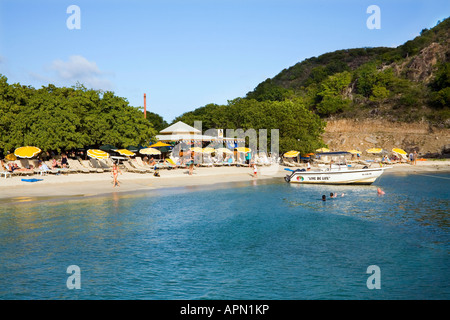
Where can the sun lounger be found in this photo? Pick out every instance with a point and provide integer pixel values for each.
(76, 165)
(96, 165)
(87, 164)
(140, 165)
(171, 163)
(5, 174)
(104, 166)
(287, 163)
(130, 168)
(50, 169)
(22, 170)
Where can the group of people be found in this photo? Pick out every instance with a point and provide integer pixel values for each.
(335, 195)
(332, 195)
(413, 157)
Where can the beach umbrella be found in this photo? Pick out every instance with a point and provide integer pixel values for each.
(323, 150)
(208, 150)
(196, 149)
(107, 147)
(224, 150)
(399, 151)
(307, 156)
(354, 151)
(374, 150)
(11, 157)
(243, 149)
(150, 151)
(97, 154)
(160, 144)
(132, 148)
(291, 154)
(125, 152)
(26, 152)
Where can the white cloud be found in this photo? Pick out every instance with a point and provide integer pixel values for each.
(80, 69)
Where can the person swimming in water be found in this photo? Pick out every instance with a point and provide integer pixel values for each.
(380, 192)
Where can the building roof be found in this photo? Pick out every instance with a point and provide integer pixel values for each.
(180, 128)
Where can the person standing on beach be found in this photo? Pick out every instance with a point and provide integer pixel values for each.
(191, 165)
(255, 171)
(415, 157)
(115, 172)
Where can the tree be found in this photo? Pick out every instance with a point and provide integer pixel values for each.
(330, 94)
(59, 119)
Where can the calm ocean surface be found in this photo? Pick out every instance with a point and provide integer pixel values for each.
(253, 240)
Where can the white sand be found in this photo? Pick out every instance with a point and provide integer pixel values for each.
(82, 184)
(89, 184)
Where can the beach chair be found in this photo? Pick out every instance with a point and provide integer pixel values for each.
(171, 163)
(50, 169)
(130, 168)
(104, 165)
(288, 164)
(76, 165)
(86, 164)
(94, 163)
(5, 173)
(207, 162)
(139, 164)
(36, 168)
(22, 170)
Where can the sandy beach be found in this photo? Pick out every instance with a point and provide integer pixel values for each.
(13, 189)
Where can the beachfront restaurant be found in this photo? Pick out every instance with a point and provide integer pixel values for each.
(184, 137)
(182, 132)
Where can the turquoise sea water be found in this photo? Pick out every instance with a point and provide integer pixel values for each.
(253, 240)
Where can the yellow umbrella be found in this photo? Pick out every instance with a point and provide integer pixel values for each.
(196, 149)
(150, 151)
(97, 154)
(291, 154)
(11, 157)
(399, 151)
(224, 150)
(354, 151)
(374, 150)
(208, 150)
(125, 152)
(323, 150)
(243, 149)
(26, 152)
(159, 144)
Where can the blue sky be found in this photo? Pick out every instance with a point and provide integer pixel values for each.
(185, 54)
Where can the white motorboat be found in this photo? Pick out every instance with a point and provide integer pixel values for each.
(335, 173)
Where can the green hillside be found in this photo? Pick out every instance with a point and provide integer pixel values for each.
(408, 83)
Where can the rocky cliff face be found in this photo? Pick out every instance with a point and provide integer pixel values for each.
(347, 134)
(420, 67)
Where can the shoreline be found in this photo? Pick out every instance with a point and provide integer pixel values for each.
(80, 185)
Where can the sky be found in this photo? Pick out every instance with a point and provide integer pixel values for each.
(184, 54)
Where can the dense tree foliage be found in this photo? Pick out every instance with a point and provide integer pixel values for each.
(59, 119)
(299, 128)
(157, 121)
